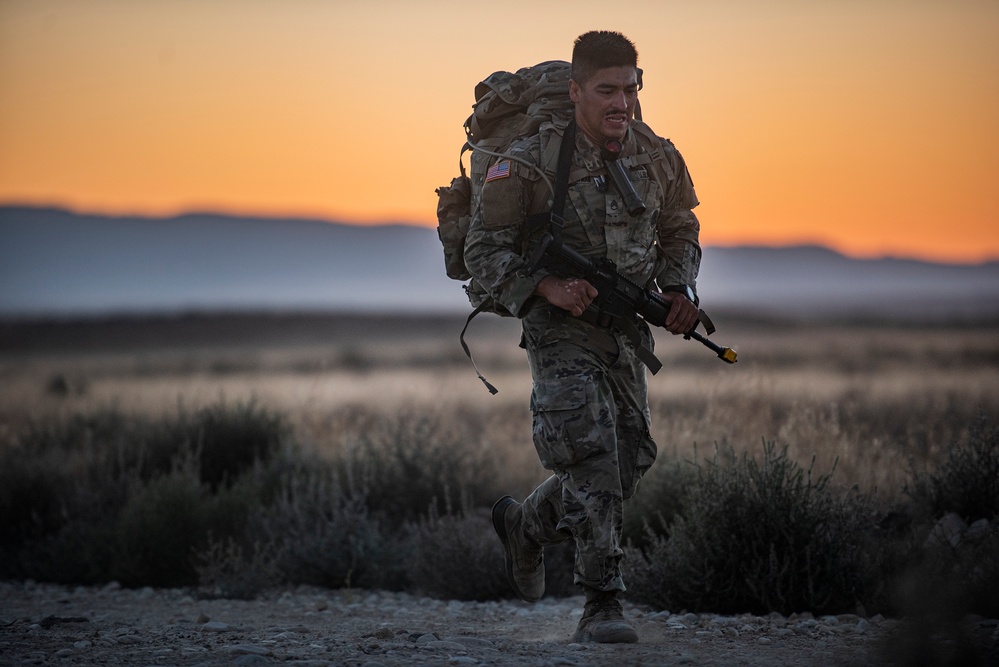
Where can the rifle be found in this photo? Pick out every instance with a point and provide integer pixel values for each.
(619, 297)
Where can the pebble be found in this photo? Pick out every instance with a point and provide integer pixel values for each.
(245, 649)
(215, 626)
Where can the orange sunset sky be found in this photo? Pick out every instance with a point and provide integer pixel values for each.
(871, 127)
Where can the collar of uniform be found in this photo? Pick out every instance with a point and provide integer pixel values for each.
(588, 153)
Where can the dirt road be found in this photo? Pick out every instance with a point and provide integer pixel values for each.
(47, 624)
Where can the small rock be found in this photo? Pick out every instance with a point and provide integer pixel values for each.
(471, 642)
(249, 649)
(250, 660)
(443, 646)
(215, 626)
(203, 618)
(129, 639)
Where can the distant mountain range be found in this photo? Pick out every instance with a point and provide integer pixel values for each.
(57, 263)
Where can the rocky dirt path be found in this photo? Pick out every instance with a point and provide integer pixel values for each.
(54, 625)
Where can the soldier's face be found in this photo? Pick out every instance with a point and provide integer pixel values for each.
(605, 104)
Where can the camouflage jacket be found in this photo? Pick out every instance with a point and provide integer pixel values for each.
(657, 248)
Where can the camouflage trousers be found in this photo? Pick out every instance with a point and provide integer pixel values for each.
(591, 429)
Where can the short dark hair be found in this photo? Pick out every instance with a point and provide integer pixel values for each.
(598, 49)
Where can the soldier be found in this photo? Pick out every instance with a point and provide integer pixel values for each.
(589, 398)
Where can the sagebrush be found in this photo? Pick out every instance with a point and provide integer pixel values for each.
(402, 503)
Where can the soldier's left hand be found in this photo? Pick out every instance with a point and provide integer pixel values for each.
(682, 314)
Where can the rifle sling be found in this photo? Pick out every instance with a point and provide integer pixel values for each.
(625, 324)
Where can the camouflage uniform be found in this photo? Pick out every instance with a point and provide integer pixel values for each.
(590, 405)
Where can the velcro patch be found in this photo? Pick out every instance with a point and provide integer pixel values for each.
(498, 171)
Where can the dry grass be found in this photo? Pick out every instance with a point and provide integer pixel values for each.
(872, 398)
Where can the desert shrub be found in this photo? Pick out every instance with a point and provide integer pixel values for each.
(968, 573)
(560, 561)
(456, 557)
(660, 497)
(77, 552)
(406, 464)
(228, 568)
(933, 597)
(161, 525)
(30, 497)
(106, 496)
(323, 534)
(756, 538)
(966, 481)
(950, 575)
(51, 476)
(227, 438)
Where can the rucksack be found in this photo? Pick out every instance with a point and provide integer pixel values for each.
(508, 106)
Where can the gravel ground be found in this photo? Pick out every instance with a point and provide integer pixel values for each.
(49, 624)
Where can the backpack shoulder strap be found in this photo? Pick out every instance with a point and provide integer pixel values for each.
(653, 145)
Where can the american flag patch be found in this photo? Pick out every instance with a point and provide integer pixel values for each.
(498, 171)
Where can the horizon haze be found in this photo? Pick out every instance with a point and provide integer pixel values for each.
(55, 263)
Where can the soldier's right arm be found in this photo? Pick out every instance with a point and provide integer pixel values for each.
(492, 247)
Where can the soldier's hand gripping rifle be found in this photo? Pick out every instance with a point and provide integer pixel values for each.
(619, 297)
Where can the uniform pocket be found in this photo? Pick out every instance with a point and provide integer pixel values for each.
(571, 422)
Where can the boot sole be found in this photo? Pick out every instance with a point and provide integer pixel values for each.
(499, 525)
(618, 635)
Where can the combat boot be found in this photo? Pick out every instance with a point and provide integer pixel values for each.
(603, 620)
(525, 561)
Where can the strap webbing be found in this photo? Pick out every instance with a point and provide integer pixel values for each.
(565, 152)
(492, 390)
